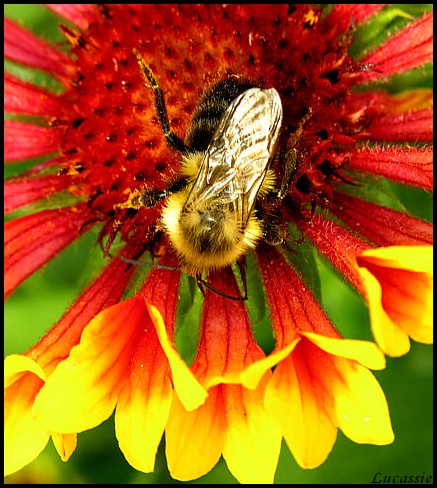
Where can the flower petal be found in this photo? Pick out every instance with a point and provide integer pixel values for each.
(16, 364)
(399, 286)
(314, 391)
(406, 127)
(344, 15)
(293, 308)
(252, 441)
(24, 98)
(23, 141)
(80, 14)
(233, 419)
(390, 338)
(65, 444)
(251, 376)
(409, 48)
(83, 390)
(416, 258)
(52, 229)
(190, 392)
(106, 290)
(381, 225)
(160, 293)
(23, 47)
(365, 353)
(24, 191)
(297, 403)
(194, 440)
(21, 371)
(410, 166)
(338, 245)
(24, 437)
(145, 399)
(225, 334)
(144, 404)
(360, 406)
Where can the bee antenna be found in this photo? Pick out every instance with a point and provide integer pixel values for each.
(148, 265)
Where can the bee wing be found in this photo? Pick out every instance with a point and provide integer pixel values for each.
(237, 159)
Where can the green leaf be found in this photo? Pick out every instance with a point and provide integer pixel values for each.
(188, 318)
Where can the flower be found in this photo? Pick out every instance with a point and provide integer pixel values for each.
(104, 150)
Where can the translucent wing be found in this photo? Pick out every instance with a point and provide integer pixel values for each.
(237, 159)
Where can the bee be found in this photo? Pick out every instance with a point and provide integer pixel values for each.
(210, 215)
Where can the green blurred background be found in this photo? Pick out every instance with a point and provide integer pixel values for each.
(42, 299)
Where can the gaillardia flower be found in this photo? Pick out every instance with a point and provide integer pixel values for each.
(286, 152)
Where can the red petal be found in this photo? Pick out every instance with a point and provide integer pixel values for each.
(25, 98)
(105, 291)
(378, 103)
(25, 191)
(338, 245)
(383, 226)
(23, 47)
(410, 166)
(413, 126)
(161, 290)
(80, 14)
(33, 240)
(344, 15)
(409, 48)
(23, 141)
(293, 308)
(226, 344)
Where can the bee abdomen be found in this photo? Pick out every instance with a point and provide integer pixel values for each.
(210, 232)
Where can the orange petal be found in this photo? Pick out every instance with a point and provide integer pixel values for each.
(227, 346)
(232, 421)
(365, 353)
(24, 437)
(320, 387)
(83, 390)
(360, 406)
(399, 289)
(253, 440)
(295, 400)
(194, 440)
(144, 404)
(251, 376)
(65, 444)
(189, 390)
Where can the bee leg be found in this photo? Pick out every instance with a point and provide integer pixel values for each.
(171, 138)
(290, 158)
(273, 230)
(290, 163)
(242, 267)
(201, 283)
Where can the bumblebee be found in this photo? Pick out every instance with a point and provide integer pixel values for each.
(210, 214)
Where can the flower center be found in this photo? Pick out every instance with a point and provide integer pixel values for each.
(114, 147)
